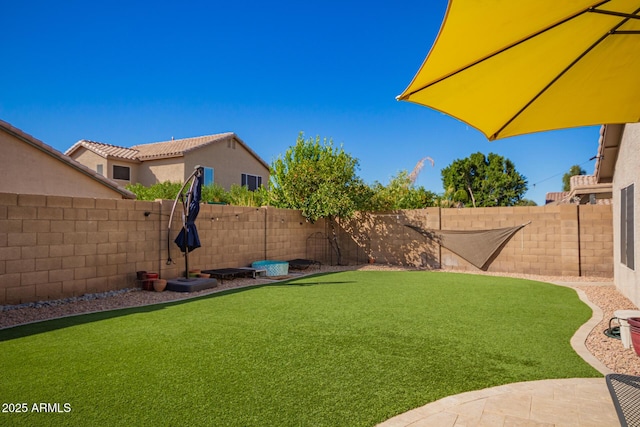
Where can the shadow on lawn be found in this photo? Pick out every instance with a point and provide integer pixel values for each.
(40, 327)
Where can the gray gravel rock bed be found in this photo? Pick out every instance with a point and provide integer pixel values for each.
(57, 302)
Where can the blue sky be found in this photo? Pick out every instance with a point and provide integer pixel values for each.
(131, 72)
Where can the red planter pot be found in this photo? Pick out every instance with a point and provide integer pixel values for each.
(147, 283)
(634, 326)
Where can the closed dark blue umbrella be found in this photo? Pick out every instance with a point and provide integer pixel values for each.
(188, 238)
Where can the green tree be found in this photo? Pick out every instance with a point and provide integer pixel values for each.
(215, 193)
(319, 179)
(162, 190)
(241, 196)
(484, 180)
(566, 178)
(400, 193)
(453, 198)
(237, 195)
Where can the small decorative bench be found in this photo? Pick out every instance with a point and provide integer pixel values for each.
(255, 272)
(231, 273)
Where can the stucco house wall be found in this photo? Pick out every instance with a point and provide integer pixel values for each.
(229, 160)
(31, 167)
(91, 160)
(154, 171)
(627, 172)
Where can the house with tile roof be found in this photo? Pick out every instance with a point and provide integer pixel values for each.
(226, 158)
(29, 166)
(593, 189)
(584, 190)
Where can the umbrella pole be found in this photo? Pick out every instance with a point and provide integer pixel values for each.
(173, 210)
(186, 205)
(186, 263)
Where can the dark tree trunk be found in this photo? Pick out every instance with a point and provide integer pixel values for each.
(333, 239)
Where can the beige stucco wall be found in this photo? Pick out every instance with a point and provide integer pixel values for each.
(627, 172)
(162, 170)
(28, 170)
(90, 160)
(229, 160)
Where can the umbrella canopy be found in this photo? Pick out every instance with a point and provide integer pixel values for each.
(515, 67)
(188, 237)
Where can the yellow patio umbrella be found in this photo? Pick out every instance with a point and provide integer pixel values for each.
(511, 67)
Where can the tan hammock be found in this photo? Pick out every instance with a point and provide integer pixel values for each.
(476, 246)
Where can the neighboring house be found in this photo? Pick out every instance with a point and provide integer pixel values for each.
(593, 189)
(557, 198)
(29, 166)
(619, 163)
(227, 160)
(584, 190)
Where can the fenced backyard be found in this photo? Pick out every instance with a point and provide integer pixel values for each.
(53, 247)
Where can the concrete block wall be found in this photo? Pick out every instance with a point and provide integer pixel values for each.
(562, 240)
(596, 241)
(54, 247)
(384, 238)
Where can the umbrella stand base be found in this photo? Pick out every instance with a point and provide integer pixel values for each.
(191, 284)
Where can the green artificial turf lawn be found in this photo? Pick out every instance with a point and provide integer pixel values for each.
(342, 349)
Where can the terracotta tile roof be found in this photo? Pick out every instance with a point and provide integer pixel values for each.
(565, 197)
(556, 197)
(159, 150)
(582, 180)
(178, 147)
(584, 189)
(105, 150)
